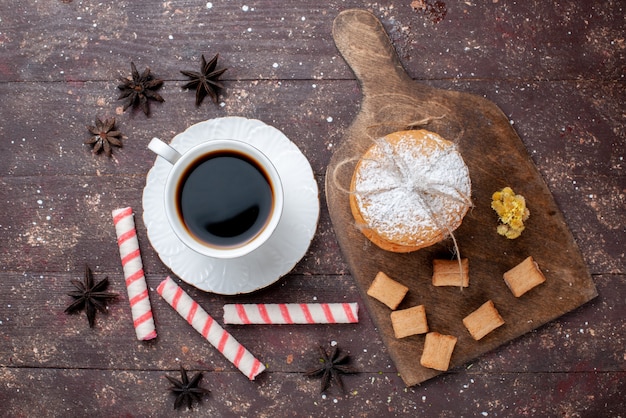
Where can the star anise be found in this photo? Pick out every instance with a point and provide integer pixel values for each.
(187, 390)
(89, 296)
(333, 365)
(141, 88)
(104, 136)
(206, 81)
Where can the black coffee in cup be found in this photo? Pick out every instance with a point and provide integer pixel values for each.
(224, 198)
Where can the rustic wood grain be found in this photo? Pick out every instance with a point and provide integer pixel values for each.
(123, 393)
(474, 40)
(574, 147)
(555, 69)
(36, 302)
(496, 158)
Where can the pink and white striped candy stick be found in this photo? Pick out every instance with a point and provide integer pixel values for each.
(209, 328)
(291, 313)
(133, 273)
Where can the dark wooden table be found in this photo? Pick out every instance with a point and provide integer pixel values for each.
(555, 68)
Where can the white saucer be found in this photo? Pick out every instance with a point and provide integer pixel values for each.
(285, 247)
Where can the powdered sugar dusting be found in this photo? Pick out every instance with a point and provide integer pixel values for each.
(406, 188)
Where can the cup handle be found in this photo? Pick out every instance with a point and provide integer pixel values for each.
(164, 151)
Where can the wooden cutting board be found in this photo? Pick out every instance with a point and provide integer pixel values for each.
(496, 158)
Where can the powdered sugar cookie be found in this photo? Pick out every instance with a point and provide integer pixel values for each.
(410, 190)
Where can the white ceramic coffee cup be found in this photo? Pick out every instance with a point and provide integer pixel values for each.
(180, 165)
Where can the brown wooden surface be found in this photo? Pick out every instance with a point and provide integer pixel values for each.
(555, 69)
(496, 158)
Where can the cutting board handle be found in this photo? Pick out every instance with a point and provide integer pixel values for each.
(366, 47)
